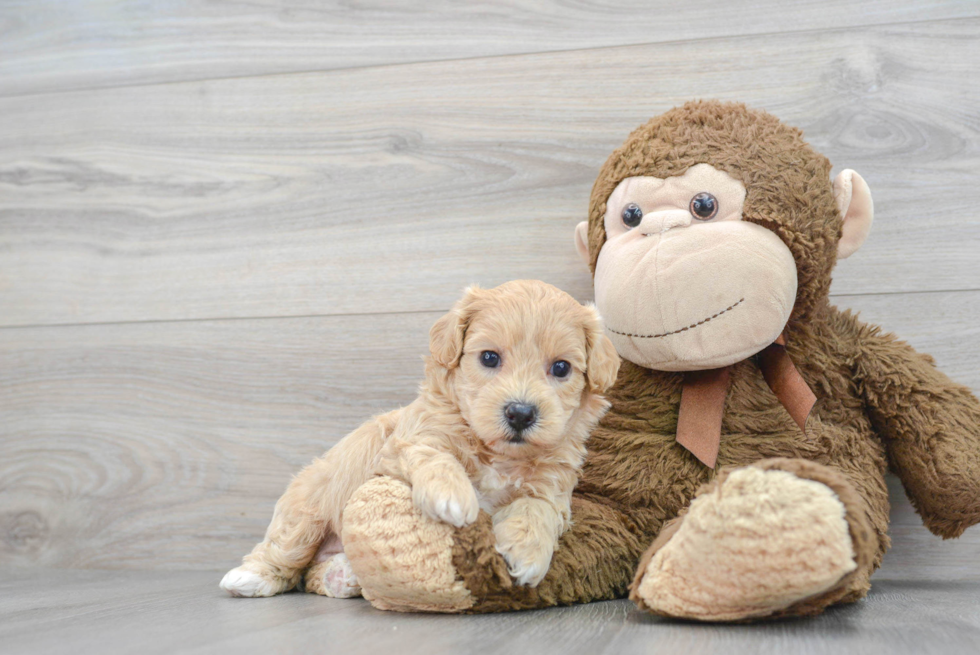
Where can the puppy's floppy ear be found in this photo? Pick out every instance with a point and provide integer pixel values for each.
(446, 336)
(602, 360)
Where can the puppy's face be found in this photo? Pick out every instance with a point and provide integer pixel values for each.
(526, 363)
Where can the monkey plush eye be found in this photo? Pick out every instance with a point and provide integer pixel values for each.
(632, 215)
(704, 206)
(489, 359)
(561, 368)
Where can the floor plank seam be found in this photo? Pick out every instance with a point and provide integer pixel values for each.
(422, 62)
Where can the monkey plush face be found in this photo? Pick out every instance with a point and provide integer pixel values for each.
(677, 281)
(709, 230)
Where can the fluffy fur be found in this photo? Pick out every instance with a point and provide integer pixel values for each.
(453, 444)
(880, 405)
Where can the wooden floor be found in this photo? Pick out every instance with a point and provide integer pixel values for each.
(106, 612)
(225, 229)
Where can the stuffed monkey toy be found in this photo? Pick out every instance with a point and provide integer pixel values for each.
(739, 474)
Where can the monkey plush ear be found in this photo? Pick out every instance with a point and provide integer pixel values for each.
(447, 335)
(856, 209)
(602, 360)
(582, 240)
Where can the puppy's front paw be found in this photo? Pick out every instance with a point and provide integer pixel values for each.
(449, 498)
(528, 558)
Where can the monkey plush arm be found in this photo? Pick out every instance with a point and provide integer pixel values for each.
(930, 426)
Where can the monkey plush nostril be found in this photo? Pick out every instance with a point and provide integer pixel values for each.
(520, 416)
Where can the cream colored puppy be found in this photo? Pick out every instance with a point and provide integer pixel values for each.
(510, 395)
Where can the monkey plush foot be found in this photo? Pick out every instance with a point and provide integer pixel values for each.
(757, 542)
(402, 559)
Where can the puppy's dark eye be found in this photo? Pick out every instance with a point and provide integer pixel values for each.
(489, 359)
(704, 206)
(632, 215)
(561, 368)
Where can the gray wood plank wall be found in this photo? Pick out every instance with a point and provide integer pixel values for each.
(225, 229)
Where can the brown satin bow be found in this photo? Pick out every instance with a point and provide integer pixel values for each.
(703, 400)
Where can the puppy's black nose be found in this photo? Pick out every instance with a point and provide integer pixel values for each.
(520, 416)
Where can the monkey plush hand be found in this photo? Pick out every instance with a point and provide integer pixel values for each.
(740, 472)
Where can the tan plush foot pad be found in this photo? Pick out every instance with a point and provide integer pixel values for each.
(402, 559)
(754, 544)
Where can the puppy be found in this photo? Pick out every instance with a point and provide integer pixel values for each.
(510, 395)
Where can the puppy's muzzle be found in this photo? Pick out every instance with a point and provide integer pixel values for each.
(520, 417)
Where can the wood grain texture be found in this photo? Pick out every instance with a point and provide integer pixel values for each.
(388, 189)
(166, 445)
(46, 45)
(108, 612)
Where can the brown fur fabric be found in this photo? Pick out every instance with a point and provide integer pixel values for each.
(880, 404)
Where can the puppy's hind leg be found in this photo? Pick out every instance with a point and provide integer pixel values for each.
(331, 573)
(276, 563)
(309, 513)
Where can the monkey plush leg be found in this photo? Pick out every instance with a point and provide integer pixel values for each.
(782, 537)
(930, 427)
(408, 562)
(402, 559)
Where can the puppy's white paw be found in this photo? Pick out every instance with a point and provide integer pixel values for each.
(247, 584)
(448, 500)
(527, 573)
(339, 580)
(458, 510)
(527, 560)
